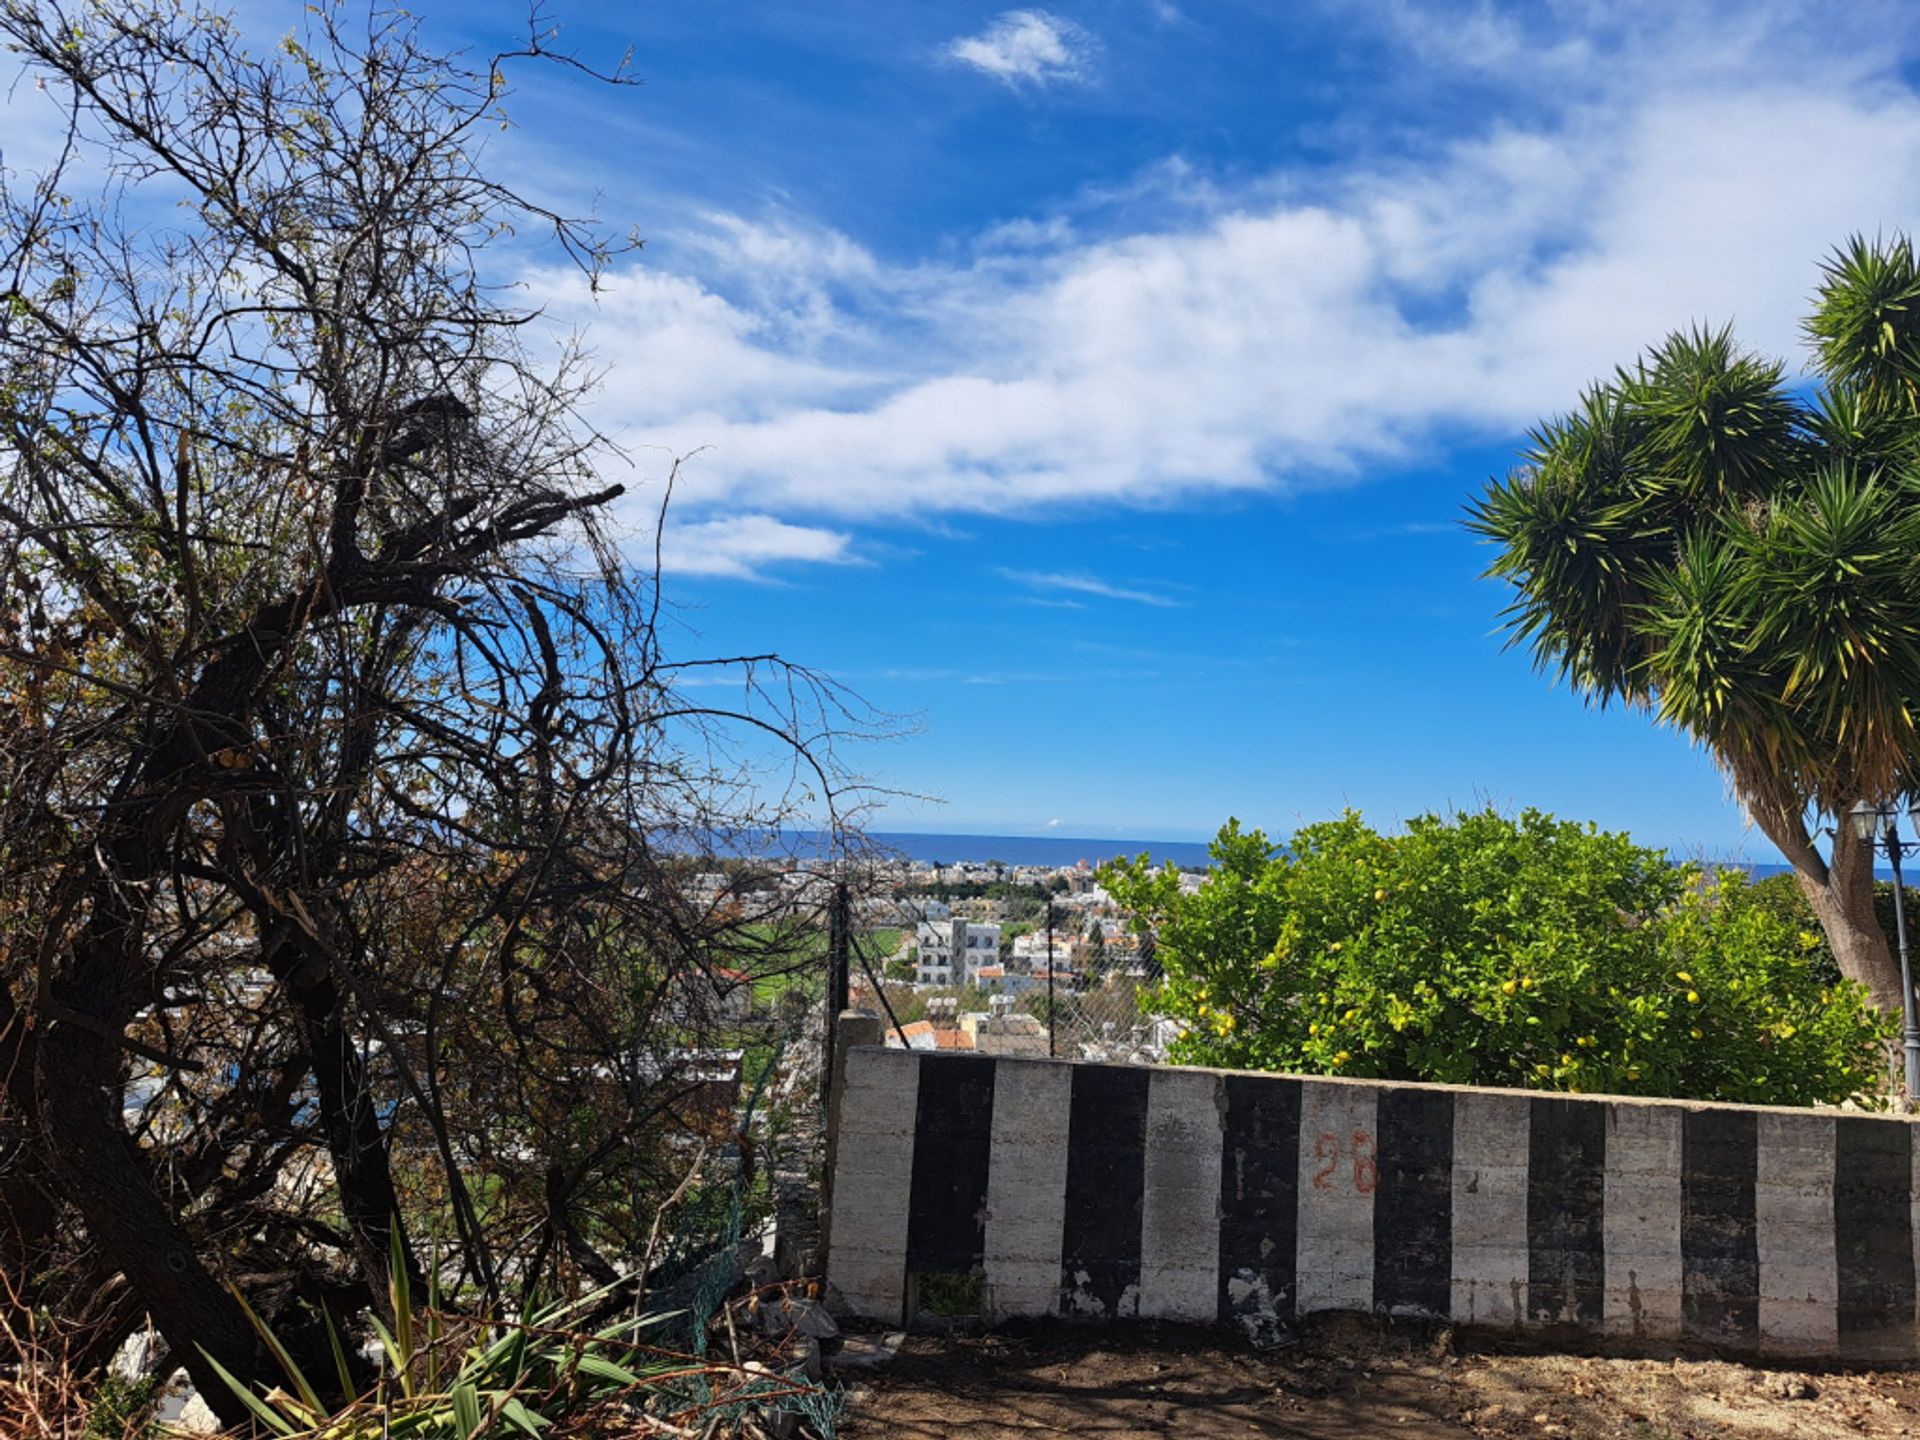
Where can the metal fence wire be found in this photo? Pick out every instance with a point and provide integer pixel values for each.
(1073, 983)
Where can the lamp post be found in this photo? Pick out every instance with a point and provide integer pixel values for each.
(1877, 827)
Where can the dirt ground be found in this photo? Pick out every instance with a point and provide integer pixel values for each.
(1349, 1378)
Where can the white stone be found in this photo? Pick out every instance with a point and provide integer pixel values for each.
(873, 1184)
(1333, 1256)
(1490, 1146)
(1642, 1225)
(1793, 1232)
(1026, 1187)
(1180, 1210)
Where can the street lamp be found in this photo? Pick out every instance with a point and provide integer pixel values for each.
(1877, 827)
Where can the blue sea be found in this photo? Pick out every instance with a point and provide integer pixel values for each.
(1055, 850)
(1051, 850)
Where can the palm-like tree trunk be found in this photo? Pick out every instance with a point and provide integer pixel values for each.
(1841, 894)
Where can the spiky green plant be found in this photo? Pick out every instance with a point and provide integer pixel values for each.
(519, 1376)
(1739, 555)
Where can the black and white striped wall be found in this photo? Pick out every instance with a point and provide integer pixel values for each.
(1109, 1192)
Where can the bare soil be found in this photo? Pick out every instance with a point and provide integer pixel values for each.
(1348, 1377)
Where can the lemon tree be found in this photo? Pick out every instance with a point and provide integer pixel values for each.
(1498, 950)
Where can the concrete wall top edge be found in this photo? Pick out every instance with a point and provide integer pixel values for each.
(1367, 1081)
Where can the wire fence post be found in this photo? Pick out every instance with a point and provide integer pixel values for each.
(1053, 1015)
(839, 936)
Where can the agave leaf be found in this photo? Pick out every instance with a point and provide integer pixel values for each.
(466, 1409)
(272, 1417)
(502, 1361)
(400, 1290)
(553, 1313)
(412, 1422)
(621, 1329)
(433, 1316)
(394, 1358)
(601, 1368)
(340, 1366)
(308, 1397)
(522, 1419)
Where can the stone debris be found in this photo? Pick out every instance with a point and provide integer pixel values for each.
(867, 1352)
(792, 1315)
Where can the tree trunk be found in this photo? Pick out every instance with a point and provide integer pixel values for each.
(1841, 894)
(1844, 904)
(27, 1211)
(128, 1222)
(363, 1174)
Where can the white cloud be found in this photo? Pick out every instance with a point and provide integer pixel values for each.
(1029, 47)
(1275, 333)
(1088, 585)
(741, 546)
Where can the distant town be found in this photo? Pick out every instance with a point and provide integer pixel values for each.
(979, 955)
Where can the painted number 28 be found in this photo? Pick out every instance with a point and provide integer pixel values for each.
(1331, 1149)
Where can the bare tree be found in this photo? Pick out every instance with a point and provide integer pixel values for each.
(342, 777)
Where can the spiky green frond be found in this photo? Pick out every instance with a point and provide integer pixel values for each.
(1848, 426)
(1698, 621)
(1745, 560)
(1865, 325)
(1835, 610)
(1717, 422)
(1576, 540)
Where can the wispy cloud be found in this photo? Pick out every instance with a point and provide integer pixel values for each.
(1029, 47)
(1411, 527)
(1193, 333)
(746, 545)
(1088, 585)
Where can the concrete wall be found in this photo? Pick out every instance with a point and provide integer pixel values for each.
(1109, 1192)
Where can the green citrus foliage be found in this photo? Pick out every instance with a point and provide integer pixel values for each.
(1490, 950)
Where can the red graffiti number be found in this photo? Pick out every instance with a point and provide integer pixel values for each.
(1326, 1148)
(1366, 1172)
(1330, 1148)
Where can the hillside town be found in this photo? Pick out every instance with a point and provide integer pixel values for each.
(976, 955)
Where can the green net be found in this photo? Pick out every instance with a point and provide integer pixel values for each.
(704, 1265)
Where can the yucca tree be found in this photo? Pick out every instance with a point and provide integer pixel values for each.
(1737, 552)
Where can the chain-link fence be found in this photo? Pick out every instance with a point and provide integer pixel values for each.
(1024, 971)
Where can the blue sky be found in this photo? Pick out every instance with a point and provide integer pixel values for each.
(1097, 386)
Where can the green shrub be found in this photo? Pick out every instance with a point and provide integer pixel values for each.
(1483, 949)
(121, 1409)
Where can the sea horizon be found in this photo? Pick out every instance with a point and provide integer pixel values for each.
(956, 848)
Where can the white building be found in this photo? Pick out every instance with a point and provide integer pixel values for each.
(953, 952)
(1030, 950)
